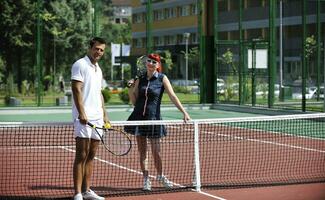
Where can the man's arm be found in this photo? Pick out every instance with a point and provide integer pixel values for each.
(105, 116)
(77, 97)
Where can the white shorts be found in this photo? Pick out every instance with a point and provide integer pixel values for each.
(85, 131)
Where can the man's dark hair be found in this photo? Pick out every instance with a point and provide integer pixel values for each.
(96, 39)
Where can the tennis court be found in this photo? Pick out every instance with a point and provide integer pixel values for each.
(116, 113)
(221, 158)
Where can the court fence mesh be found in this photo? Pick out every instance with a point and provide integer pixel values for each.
(36, 159)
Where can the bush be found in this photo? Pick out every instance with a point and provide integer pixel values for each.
(7, 100)
(181, 89)
(106, 95)
(124, 96)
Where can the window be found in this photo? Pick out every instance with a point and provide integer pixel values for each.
(185, 10)
(158, 14)
(137, 18)
(117, 20)
(194, 9)
(194, 38)
(138, 43)
(170, 13)
(158, 41)
(170, 39)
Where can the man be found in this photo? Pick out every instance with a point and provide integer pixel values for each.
(88, 105)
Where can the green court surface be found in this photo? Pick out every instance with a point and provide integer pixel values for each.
(119, 113)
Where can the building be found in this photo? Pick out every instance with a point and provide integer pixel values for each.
(122, 11)
(173, 18)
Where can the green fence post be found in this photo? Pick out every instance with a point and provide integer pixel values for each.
(303, 71)
(149, 27)
(39, 53)
(272, 52)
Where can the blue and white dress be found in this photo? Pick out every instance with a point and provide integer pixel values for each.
(147, 107)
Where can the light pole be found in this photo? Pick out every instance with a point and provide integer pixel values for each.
(186, 36)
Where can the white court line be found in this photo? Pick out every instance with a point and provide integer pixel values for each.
(138, 172)
(268, 142)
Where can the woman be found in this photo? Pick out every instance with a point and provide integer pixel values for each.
(145, 94)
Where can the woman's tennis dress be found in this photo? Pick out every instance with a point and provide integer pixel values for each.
(147, 107)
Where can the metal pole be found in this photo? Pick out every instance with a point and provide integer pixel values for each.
(38, 53)
(186, 36)
(318, 51)
(281, 53)
(303, 66)
(272, 52)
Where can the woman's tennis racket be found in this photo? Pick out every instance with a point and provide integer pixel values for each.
(141, 69)
(115, 141)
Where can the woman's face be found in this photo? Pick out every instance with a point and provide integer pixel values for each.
(152, 65)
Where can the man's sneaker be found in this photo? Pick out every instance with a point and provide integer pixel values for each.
(78, 197)
(146, 184)
(164, 181)
(91, 195)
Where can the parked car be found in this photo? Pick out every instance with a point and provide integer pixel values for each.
(221, 86)
(263, 89)
(321, 92)
(192, 85)
(310, 92)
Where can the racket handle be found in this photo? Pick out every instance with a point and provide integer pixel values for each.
(91, 125)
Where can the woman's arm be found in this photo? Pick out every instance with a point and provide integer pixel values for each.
(133, 90)
(174, 98)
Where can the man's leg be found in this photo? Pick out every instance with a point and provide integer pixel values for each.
(89, 164)
(82, 148)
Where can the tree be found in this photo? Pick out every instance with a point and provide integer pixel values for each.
(17, 22)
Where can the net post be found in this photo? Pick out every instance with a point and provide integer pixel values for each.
(197, 175)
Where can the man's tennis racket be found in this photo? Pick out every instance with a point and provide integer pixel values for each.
(141, 69)
(115, 141)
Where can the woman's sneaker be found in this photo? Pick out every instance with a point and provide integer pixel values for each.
(78, 197)
(91, 195)
(146, 184)
(164, 181)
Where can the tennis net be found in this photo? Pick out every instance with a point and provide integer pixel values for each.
(36, 159)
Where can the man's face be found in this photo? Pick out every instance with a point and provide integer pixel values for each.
(97, 51)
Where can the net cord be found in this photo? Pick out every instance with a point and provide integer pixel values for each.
(178, 122)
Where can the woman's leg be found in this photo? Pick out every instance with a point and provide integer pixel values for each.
(142, 149)
(155, 150)
(155, 147)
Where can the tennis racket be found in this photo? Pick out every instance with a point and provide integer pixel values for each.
(116, 141)
(141, 69)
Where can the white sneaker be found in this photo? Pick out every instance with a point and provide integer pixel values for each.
(164, 181)
(146, 184)
(78, 197)
(91, 195)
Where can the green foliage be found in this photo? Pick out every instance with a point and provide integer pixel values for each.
(124, 96)
(47, 82)
(10, 90)
(2, 69)
(106, 95)
(228, 59)
(310, 46)
(181, 89)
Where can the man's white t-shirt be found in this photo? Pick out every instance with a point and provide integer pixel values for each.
(91, 76)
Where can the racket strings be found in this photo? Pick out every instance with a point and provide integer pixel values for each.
(116, 142)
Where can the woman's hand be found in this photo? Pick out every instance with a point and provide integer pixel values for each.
(186, 117)
(130, 83)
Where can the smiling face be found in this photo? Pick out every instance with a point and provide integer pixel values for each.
(152, 65)
(96, 51)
